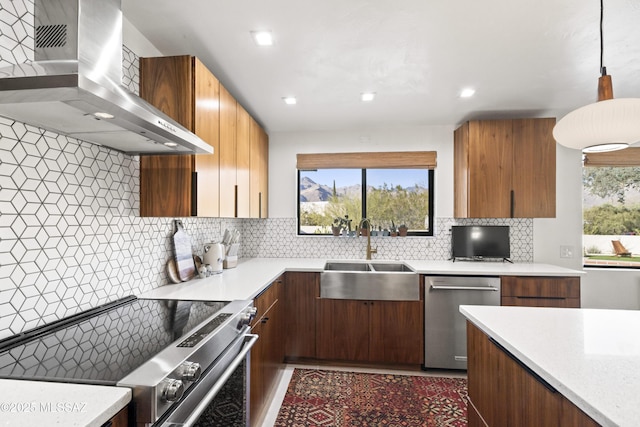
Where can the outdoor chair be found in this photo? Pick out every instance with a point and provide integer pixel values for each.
(619, 249)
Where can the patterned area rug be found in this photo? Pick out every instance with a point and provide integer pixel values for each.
(348, 399)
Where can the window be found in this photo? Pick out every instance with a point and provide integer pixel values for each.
(611, 209)
(389, 198)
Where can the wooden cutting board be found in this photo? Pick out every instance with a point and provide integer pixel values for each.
(182, 252)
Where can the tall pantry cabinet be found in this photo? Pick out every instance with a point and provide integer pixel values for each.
(233, 181)
(505, 169)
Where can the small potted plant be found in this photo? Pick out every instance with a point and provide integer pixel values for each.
(394, 230)
(364, 229)
(336, 226)
(402, 230)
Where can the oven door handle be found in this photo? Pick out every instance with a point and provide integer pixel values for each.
(250, 340)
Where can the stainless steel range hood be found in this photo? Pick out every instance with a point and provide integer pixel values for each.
(74, 86)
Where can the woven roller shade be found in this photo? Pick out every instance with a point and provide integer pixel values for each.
(626, 157)
(379, 160)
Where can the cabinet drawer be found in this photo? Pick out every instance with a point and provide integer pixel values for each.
(541, 302)
(540, 287)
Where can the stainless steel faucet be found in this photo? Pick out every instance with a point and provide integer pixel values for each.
(369, 250)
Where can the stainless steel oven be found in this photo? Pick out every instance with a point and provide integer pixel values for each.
(185, 361)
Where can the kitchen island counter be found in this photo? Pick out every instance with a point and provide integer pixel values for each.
(592, 357)
(40, 403)
(253, 275)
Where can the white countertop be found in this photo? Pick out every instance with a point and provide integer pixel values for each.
(590, 356)
(39, 403)
(252, 275)
(479, 268)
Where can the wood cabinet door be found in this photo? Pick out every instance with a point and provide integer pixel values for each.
(342, 330)
(254, 169)
(264, 174)
(121, 419)
(490, 169)
(207, 127)
(243, 165)
(259, 171)
(267, 355)
(256, 370)
(534, 163)
(301, 294)
(228, 197)
(166, 181)
(274, 356)
(396, 333)
(506, 393)
(461, 171)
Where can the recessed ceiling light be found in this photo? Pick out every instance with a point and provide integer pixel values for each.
(170, 144)
(290, 100)
(102, 115)
(367, 96)
(467, 93)
(262, 38)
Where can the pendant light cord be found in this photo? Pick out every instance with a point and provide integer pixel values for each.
(603, 69)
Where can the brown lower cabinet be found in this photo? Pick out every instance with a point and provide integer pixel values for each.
(532, 291)
(370, 331)
(267, 355)
(302, 291)
(504, 393)
(121, 419)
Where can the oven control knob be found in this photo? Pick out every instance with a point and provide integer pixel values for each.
(171, 390)
(248, 316)
(189, 371)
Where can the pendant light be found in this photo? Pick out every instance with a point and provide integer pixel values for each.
(607, 125)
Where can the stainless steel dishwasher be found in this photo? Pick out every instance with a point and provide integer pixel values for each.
(445, 330)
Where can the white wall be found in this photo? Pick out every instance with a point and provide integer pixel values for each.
(566, 228)
(283, 148)
(134, 40)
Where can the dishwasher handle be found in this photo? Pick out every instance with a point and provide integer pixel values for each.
(463, 288)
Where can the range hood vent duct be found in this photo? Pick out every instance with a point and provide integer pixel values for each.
(74, 86)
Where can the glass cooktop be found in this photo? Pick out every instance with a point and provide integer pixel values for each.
(104, 347)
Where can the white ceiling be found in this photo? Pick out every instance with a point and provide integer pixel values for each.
(524, 58)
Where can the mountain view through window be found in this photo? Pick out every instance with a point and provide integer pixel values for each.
(393, 198)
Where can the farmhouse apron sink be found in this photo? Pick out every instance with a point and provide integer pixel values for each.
(391, 281)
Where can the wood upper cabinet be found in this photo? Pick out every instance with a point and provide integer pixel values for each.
(540, 291)
(181, 185)
(504, 392)
(244, 157)
(505, 169)
(243, 161)
(233, 181)
(259, 172)
(228, 153)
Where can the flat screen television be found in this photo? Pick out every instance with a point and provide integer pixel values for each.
(480, 241)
